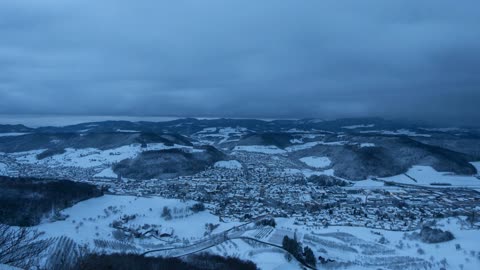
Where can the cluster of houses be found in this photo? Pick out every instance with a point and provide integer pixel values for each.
(263, 189)
(262, 186)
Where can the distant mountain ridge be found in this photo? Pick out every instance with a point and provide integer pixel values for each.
(189, 126)
(358, 147)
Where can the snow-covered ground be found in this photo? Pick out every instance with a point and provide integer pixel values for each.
(367, 145)
(230, 130)
(220, 135)
(266, 258)
(359, 126)
(106, 173)
(362, 248)
(449, 129)
(271, 149)
(8, 267)
(477, 166)
(296, 141)
(308, 173)
(3, 168)
(397, 132)
(368, 183)
(269, 259)
(349, 247)
(208, 130)
(300, 140)
(91, 219)
(426, 175)
(228, 164)
(316, 162)
(301, 146)
(11, 134)
(91, 157)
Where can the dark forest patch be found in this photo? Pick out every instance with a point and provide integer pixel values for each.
(137, 262)
(25, 201)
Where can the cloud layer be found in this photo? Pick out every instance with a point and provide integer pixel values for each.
(397, 59)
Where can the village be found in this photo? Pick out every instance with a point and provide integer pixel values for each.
(263, 187)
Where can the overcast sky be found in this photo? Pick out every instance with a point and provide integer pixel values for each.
(271, 59)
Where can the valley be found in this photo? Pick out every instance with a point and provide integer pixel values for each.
(357, 192)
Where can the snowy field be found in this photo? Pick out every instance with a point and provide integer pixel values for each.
(350, 247)
(316, 162)
(362, 248)
(426, 176)
(359, 126)
(368, 183)
(405, 132)
(367, 145)
(106, 173)
(299, 146)
(91, 219)
(11, 134)
(477, 166)
(266, 258)
(220, 135)
(92, 157)
(274, 150)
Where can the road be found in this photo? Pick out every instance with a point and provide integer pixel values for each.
(238, 232)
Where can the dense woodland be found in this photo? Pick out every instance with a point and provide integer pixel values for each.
(137, 262)
(25, 201)
(168, 163)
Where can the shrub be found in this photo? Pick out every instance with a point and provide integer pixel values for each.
(266, 222)
(309, 257)
(198, 207)
(119, 235)
(431, 235)
(50, 152)
(167, 213)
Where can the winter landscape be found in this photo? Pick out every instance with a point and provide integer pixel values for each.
(239, 135)
(342, 194)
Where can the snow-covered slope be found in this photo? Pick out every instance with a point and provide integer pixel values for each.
(316, 162)
(426, 176)
(3, 168)
(215, 135)
(92, 157)
(362, 248)
(91, 219)
(350, 247)
(397, 132)
(106, 173)
(271, 149)
(11, 134)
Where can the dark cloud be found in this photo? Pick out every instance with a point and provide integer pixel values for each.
(397, 59)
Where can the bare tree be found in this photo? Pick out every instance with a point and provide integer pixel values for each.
(20, 246)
